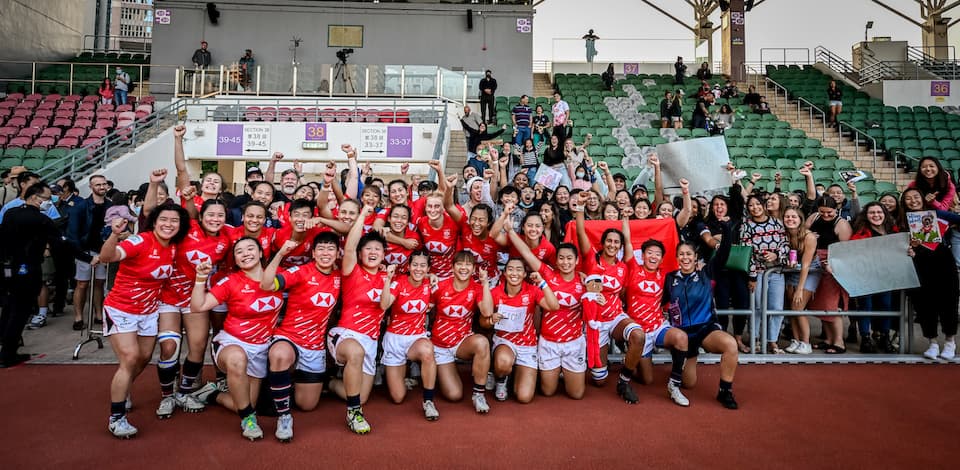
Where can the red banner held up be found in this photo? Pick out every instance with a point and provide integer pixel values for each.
(664, 230)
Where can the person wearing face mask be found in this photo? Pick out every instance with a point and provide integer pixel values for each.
(488, 106)
(25, 234)
(121, 86)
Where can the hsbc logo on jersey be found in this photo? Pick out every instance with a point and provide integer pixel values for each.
(650, 287)
(566, 300)
(323, 299)
(265, 304)
(611, 282)
(414, 306)
(395, 258)
(196, 257)
(163, 272)
(299, 260)
(456, 311)
(437, 247)
(374, 294)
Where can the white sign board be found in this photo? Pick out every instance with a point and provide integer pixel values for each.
(548, 177)
(256, 140)
(373, 140)
(855, 264)
(703, 162)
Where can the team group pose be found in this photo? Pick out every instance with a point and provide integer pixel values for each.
(326, 290)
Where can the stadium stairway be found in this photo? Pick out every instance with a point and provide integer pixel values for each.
(456, 152)
(542, 85)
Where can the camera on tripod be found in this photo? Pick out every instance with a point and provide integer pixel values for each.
(342, 54)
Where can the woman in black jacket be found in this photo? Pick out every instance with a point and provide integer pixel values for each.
(479, 135)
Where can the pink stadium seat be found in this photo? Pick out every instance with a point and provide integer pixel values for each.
(31, 132)
(17, 122)
(15, 96)
(268, 113)
(62, 122)
(108, 115)
(403, 116)
(127, 116)
(142, 115)
(371, 116)
(43, 113)
(52, 97)
(77, 132)
(91, 142)
(6, 112)
(148, 100)
(8, 103)
(85, 115)
(8, 132)
(104, 124)
(72, 98)
(47, 105)
(20, 142)
(252, 113)
(39, 123)
(386, 115)
(52, 132)
(283, 114)
(91, 99)
(68, 105)
(33, 97)
(27, 104)
(24, 113)
(86, 107)
(147, 108)
(98, 133)
(124, 108)
(84, 123)
(45, 142)
(63, 113)
(298, 114)
(3, 141)
(104, 107)
(68, 142)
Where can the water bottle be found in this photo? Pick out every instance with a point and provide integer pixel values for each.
(793, 258)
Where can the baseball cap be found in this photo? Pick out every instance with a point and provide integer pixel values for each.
(254, 170)
(56, 189)
(619, 176)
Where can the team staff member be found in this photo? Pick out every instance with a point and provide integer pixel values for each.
(130, 310)
(408, 300)
(515, 343)
(24, 235)
(353, 343)
(298, 342)
(84, 232)
(241, 347)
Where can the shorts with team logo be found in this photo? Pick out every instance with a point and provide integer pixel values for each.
(256, 353)
(117, 321)
(572, 355)
(369, 345)
(167, 308)
(308, 360)
(526, 356)
(654, 339)
(395, 348)
(84, 270)
(447, 355)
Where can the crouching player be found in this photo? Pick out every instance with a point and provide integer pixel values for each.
(298, 342)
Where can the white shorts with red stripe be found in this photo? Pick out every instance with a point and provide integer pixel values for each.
(369, 345)
(256, 353)
(117, 321)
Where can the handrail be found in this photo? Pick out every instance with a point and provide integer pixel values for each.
(118, 41)
(857, 132)
(313, 109)
(892, 70)
(834, 61)
(922, 50)
(946, 69)
(74, 85)
(811, 106)
(442, 138)
(784, 55)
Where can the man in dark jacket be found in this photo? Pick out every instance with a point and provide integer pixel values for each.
(24, 236)
(201, 57)
(488, 90)
(84, 227)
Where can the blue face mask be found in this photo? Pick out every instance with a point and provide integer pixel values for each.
(55, 199)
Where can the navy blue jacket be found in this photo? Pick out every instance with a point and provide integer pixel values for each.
(689, 297)
(79, 222)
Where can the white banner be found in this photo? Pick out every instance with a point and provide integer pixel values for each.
(702, 161)
(873, 265)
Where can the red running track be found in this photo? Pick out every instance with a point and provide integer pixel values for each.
(840, 416)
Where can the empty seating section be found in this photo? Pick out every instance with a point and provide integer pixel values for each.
(315, 114)
(916, 131)
(36, 128)
(88, 70)
(757, 143)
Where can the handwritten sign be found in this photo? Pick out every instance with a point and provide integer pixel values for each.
(939, 88)
(229, 139)
(315, 131)
(373, 139)
(548, 177)
(256, 139)
(513, 318)
(400, 142)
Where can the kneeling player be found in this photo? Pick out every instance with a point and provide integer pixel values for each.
(406, 336)
(455, 300)
(298, 342)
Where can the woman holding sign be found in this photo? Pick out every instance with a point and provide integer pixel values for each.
(936, 298)
(515, 343)
(874, 221)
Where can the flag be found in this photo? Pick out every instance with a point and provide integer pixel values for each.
(664, 230)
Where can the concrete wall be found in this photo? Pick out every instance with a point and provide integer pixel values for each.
(918, 92)
(42, 30)
(394, 33)
(133, 169)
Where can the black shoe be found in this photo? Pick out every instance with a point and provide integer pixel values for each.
(725, 397)
(866, 345)
(78, 325)
(14, 361)
(884, 346)
(625, 391)
(56, 311)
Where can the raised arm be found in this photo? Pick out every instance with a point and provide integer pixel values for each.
(386, 297)
(627, 244)
(486, 298)
(269, 280)
(200, 299)
(524, 250)
(353, 185)
(271, 172)
(179, 160)
(608, 178)
(109, 253)
(349, 261)
(187, 194)
(658, 194)
(549, 301)
(582, 238)
(686, 212)
(150, 199)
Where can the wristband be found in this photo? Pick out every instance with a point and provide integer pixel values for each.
(200, 283)
(202, 278)
(542, 284)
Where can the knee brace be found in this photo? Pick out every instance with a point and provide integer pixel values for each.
(629, 329)
(172, 361)
(598, 373)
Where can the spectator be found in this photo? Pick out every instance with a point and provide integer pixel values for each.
(84, 227)
(730, 90)
(676, 109)
(717, 92)
(700, 113)
(472, 120)
(762, 107)
(608, 77)
(476, 137)
(704, 89)
(704, 73)
(24, 181)
(10, 189)
(752, 98)
(590, 40)
(835, 95)
(121, 86)
(540, 125)
(25, 226)
(561, 115)
(247, 65)
(488, 102)
(665, 105)
(724, 118)
(106, 91)
(521, 121)
(201, 57)
(679, 71)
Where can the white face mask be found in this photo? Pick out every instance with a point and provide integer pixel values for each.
(46, 205)
(580, 175)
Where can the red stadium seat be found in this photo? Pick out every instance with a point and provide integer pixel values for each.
(142, 115)
(91, 99)
(147, 108)
(31, 132)
(20, 142)
(104, 124)
(298, 114)
(283, 114)
(47, 105)
(24, 113)
(86, 107)
(52, 97)
(77, 132)
(98, 133)
(108, 115)
(403, 116)
(43, 113)
(27, 104)
(148, 100)
(85, 115)
(127, 115)
(268, 113)
(67, 105)
(84, 123)
(39, 123)
(33, 97)
(15, 96)
(17, 122)
(44, 142)
(63, 113)
(105, 107)
(68, 142)
(3, 140)
(9, 131)
(52, 132)
(386, 115)
(62, 122)
(124, 108)
(72, 99)
(252, 113)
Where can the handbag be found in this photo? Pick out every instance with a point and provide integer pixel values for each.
(739, 259)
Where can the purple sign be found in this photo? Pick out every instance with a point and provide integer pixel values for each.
(399, 142)
(316, 131)
(631, 69)
(939, 88)
(161, 16)
(229, 139)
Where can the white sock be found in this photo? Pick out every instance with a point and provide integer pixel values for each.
(949, 339)
(43, 311)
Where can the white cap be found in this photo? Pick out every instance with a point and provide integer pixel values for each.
(593, 277)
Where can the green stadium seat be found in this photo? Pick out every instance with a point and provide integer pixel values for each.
(885, 187)
(843, 164)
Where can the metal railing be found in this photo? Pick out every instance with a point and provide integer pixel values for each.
(945, 69)
(311, 109)
(114, 43)
(877, 71)
(28, 74)
(403, 81)
(834, 61)
(443, 136)
(802, 56)
(857, 133)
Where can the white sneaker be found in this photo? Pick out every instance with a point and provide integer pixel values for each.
(933, 351)
(491, 382)
(251, 430)
(284, 431)
(500, 392)
(121, 428)
(189, 403)
(37, 321)
(792, 348)
(480, 403)
(804, 348)
(202, 393)
(356, 422)
(949, 351)
(167, 405)
(430, 411)
(676, 395)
